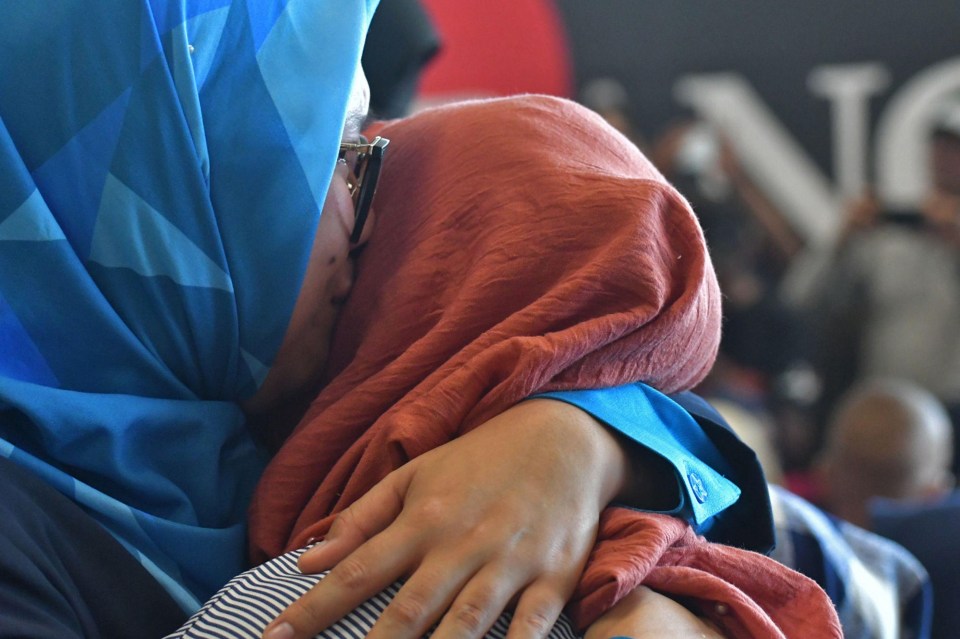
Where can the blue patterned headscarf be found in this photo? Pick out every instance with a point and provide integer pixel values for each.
(163, 164)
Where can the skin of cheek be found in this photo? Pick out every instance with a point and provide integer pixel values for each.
(302, 356)
(306, 344)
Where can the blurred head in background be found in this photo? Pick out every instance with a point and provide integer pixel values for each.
(890, 439)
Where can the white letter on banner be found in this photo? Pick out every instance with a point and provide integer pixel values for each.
(903, 172)
(767, 151)
(849, 87)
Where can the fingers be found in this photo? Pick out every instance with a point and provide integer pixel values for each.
(366, 517)
(364, 560)
(360, 575)
(477, 606)
(537, 611)
(489, 593)
(423, 599)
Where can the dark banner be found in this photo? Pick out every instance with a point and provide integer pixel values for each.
(820, 98)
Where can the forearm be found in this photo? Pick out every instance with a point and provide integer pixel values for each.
(645, 614)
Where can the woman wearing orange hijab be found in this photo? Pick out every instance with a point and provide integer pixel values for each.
(523, 249)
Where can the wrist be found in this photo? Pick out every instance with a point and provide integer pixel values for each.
(650, 482)
(629, 473)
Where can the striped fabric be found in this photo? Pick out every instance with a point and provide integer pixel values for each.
(244, 607)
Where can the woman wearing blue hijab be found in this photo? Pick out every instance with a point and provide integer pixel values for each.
(152, 246)
(163, 168)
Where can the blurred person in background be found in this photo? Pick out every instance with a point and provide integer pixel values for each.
(401, 42)
(888, 301)
(878, 587)
(886, 467)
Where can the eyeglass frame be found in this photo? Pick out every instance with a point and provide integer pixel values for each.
(365, 173)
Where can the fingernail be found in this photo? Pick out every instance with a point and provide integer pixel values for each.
(282, 630)
(313, 549)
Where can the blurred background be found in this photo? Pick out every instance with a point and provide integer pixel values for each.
(819, 145)
(792, 129)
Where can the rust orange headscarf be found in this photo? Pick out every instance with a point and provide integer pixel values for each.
(521, 245)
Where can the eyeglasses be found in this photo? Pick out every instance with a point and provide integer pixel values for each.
(364, 160)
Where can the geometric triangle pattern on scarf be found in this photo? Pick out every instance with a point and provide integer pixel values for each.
(31, 222)
(151, 245)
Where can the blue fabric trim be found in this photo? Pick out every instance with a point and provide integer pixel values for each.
(655, 421)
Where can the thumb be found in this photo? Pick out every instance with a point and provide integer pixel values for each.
(360, 521)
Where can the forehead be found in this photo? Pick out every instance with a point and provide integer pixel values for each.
(357, 106)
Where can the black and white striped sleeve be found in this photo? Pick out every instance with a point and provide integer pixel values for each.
(250, 601)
